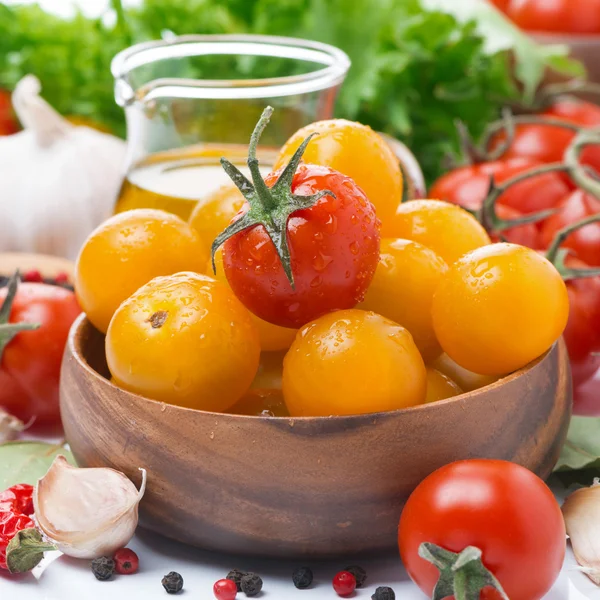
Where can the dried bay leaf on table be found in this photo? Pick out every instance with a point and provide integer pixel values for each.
(26, 462)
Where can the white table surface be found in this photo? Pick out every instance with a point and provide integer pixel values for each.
(61, 578)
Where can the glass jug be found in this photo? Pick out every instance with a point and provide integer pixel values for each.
(192, 99)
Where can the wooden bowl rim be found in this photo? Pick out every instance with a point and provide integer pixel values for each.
(74, 350)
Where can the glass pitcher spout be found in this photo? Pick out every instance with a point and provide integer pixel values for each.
(190, 100)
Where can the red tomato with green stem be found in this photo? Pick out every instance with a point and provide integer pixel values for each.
(548, 143)
(498, 517)
(583, 242)
(557, 16)
(34, 324)
(306, 242)
(469, 185)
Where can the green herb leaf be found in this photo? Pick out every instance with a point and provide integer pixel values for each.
(26, 462)
(582, 448)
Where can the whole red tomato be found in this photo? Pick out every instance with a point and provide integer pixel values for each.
(547, 143)
(584, 242)
(30, 363)
(469, 185)
(559, 16)
(500, 508)
(305, 244)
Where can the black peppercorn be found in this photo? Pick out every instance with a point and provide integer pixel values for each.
(359, 574)
(173, 583)
(236, 576)
(384, 593)
(251, 584)
(302, 578)
(103, 568)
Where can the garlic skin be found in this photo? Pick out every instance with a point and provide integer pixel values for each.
(10, 427)
(87, 513)
(581, 511)
(57, 181)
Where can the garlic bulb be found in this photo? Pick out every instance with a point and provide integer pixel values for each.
(87, 513)
(581, 511)
(57, 181)
(10, 427)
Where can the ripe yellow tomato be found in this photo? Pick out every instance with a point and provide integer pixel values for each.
(402, 290)
(498, 308)
(351, 362)
(356, 151)
(272, 337)
(447, 229)
(467, 380)
(261, 403)
(440, 386)
(127, 251)
(214, 212)
(184, 339)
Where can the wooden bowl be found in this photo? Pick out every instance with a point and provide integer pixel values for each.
(296, 487)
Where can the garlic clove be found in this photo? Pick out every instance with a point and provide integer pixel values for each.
(581, 511)
(10, 427)
(87, 513)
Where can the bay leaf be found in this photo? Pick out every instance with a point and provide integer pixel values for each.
(582, 448)
(26, 462)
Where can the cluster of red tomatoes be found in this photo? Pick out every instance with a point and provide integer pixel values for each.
(370, 303)
(539, 147)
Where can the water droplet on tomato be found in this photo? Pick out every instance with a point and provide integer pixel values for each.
(367, 219)
(362, 201)
(331, 224)
(347, 274)
(293, 307)
(316, 282)
(354, 248)
(321, 261)
(353, 219)
(318, 236)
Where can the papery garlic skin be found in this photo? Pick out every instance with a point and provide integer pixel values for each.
(57, 181)
(87, 513)
(10, 427)
(581, 511)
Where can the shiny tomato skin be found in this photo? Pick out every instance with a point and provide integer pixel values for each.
(334, 248)
(469, 185)
(501, 508)
(583, 370)
(586, 398)
(584, 242)
(557, 16)
(31, 360)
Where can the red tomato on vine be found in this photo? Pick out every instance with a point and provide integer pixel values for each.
(306, 242)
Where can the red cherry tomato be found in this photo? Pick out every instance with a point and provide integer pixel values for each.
(497, 506)
(559, 16)
(334, 248)
(30, 365)
(584, 242)
(8, 120)
(344, 583)
(585, 369)
(225, 589)
(547, 143)
(468, 186)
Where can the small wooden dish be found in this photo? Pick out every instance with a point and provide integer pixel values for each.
(311, 487)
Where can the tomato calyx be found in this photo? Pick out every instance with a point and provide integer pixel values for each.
(462, 575)
(269, 207)
(557, 255)
(26, 550)
(9, 330)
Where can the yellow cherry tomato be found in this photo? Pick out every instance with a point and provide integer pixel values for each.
(440, 386)
(184, 339)
(402, 290)
(498, 308)
(447, 229)
(261, 403)
(127, 251)
(214, 212)
(272, 337)
(467, 380)
(352, 362)
(356, 151)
